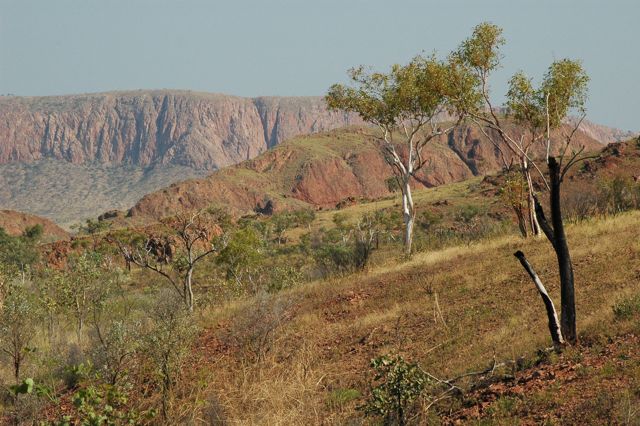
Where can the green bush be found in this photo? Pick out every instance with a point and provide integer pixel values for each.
(334, 258)
(103, 405)
(618, 195)
(392, 184)
(627, 308)
(18, 253)
(396, 385)
(348, 246)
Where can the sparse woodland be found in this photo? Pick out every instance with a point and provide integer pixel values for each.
(406, 310)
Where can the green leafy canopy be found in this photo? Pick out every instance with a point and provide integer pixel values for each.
(417, 91)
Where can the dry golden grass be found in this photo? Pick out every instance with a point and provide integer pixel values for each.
(452, 311)
(457, 193)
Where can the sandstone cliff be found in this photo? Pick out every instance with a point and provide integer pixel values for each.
(142, 128)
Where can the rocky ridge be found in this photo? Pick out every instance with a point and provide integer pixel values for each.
(143, 128)
(14, 223)
(72, 157)
(320, 171)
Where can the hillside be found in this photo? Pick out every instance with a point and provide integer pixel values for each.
(320, 171)
(454, 311)
(14, 223)
(105, 151)
(282, 339)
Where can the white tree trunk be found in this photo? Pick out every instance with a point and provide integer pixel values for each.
(188, 290)
(552, 314)
(533, 217)
(408, 215)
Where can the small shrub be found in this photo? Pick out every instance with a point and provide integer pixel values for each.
(166, 345)
(254, 328)
(581, 202)
(103, 405)
(283, 277)
(19, 317)
(627, 308)
(429, 220)
(74, 374)
(397, 384)
(503, 407)
(392, 184)
(618, 195)
(608, 369)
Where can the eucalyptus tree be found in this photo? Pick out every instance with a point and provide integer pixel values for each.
(185, 241)
(536, 110)
(83, 284)
(407, 104)
(19, 318)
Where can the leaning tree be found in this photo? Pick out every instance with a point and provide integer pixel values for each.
(538, 110)
(407, 105)
(535, 111)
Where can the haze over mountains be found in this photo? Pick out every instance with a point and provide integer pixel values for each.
(72, 157)
(105, 151)
(145, 128)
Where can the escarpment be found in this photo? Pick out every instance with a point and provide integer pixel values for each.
(143, 128)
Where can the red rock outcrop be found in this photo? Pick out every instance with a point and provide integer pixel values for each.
(14, 223)
(319, 171)
(134, 142)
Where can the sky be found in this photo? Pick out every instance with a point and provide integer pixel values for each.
(301, 47)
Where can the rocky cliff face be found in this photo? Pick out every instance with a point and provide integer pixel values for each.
(602, 133)
(143, 128)
(73, 157)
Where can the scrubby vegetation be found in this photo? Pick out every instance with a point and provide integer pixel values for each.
(286, 322)
(294, 316)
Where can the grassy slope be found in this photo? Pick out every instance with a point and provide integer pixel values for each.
(455, 193)
(272, 175)
(489, 309)
(451, 310)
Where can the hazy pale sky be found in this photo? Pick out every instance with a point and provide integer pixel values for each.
(301, 47)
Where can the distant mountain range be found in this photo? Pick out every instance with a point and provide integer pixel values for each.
(145, 128)
(73, 157)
